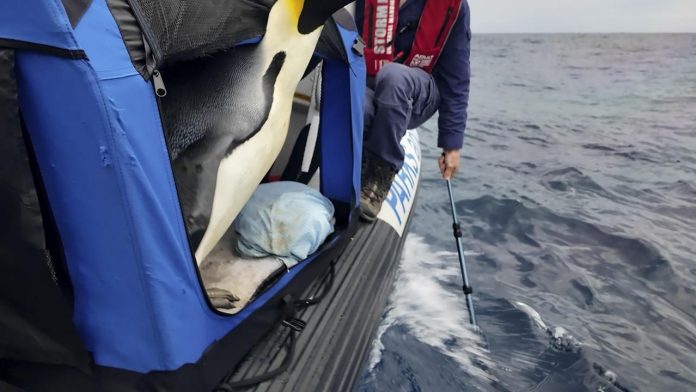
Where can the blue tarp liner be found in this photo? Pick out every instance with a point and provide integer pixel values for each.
(286, 219)
(95, 127)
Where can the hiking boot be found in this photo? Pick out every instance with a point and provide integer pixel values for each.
(377, 177)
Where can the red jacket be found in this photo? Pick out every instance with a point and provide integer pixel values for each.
(451, 71)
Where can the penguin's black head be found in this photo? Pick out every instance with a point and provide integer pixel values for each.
(314, 13)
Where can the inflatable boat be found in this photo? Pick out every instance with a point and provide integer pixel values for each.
(99, 286)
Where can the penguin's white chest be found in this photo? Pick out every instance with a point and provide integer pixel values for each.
(240, 173)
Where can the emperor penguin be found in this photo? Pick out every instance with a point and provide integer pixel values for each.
(227, 117)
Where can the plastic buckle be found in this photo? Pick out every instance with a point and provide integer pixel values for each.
(359, 46)
(306, 302)
(295, 324)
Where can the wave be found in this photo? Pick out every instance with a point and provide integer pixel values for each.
(625, 151)
(507, 218)
(426, 303)
(572, 179)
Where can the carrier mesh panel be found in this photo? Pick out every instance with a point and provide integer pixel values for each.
(186, 29)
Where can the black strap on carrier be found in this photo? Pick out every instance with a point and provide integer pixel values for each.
(295, 326)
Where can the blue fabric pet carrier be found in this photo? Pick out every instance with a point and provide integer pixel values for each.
(92, 118)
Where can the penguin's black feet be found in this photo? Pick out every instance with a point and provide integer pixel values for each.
(222, 299)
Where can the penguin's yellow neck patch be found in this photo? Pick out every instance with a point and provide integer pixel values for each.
(295, 9)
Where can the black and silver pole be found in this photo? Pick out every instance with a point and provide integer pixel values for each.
(462, 263)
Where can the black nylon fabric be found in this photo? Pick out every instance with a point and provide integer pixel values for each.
(160, 33)
(36, 331)
(187, 29)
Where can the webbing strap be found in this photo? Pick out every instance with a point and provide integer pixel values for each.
(326, 287)
(295, 325)
(230, 386)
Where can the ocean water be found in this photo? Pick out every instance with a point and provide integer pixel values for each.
(577, 196)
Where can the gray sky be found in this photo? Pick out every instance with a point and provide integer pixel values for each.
(512, 16)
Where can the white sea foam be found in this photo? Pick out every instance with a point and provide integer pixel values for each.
(533, 314)
(561, 339)
(434, 313)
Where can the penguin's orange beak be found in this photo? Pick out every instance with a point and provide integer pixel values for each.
(316, 12)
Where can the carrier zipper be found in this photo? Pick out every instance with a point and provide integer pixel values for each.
(148, 35)
(160, 92)
(444, 25)
(158, 82)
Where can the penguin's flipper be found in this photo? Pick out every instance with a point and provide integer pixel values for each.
(206, 94)
(247, 159)
(237, 110)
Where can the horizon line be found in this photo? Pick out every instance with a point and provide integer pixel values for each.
(584, 32)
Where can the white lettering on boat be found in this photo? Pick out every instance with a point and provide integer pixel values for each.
(399, 203)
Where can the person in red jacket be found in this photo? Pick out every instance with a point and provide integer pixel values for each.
(417, 56)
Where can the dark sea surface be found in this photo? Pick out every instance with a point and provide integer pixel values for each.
(577, 196)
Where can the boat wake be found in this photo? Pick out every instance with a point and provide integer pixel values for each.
(426, 343)
(427, 304)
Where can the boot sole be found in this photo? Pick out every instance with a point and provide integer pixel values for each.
(367, 218)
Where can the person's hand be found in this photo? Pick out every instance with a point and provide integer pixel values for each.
(449, 163)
